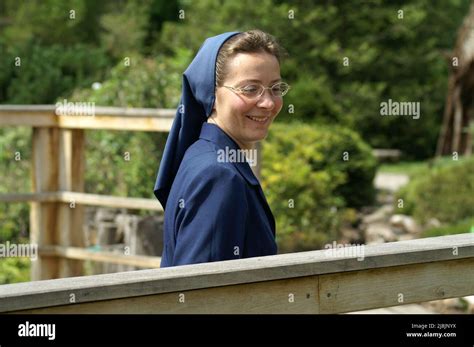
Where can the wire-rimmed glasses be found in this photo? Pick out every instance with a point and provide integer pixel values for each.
(256, 90)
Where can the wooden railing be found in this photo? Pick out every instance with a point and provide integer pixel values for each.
(58, 164)
(308, 282)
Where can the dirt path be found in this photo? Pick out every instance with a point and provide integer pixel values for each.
(390, 181)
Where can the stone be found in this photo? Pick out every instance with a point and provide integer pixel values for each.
(433, 223)
(470, 303)
(404, 222)
(379, 231)
(382, 214)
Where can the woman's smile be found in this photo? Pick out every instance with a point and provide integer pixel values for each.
(260, 120)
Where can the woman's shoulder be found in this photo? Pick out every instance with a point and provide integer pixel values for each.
(202, 160)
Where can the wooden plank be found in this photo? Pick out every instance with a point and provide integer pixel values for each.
(71, 177)
(110, 201)
(260, 269)
(112, 118)
(84, 199)
(43, 215)
(101, 256)
(382, 153)
(295, 296)
(7, 110)
(375, 288)
(31, 197)
(116, 123)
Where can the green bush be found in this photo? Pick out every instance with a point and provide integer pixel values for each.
(15, 165)
(138, 81)
(47, 72)
(13, 270)
(308, 183)
(443, 192)
(462, 227)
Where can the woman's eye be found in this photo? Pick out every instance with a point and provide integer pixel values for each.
(250, 89)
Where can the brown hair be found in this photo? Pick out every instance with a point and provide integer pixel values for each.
(252, 41)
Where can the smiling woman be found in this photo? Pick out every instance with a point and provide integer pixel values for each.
(215, 209)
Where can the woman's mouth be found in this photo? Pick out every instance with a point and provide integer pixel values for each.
(258, 119)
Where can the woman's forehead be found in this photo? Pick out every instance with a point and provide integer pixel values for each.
(257, 67)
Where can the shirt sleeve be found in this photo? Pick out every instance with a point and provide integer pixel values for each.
(212, 217)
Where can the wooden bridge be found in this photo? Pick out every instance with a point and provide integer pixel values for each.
(308, 282)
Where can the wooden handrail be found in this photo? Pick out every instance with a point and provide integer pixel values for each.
(58, 180)
(308, 282)
(112, 118)
(100, 256)
(84, 199)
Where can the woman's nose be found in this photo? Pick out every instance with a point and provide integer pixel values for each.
(266, 100)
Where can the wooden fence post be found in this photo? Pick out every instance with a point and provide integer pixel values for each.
(58, 164)
(43, 214)
(71, 215)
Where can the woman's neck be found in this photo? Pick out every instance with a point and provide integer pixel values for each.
(242, 145)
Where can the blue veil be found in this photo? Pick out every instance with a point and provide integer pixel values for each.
(197, 100)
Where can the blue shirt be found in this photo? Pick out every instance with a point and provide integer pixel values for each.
(216, 209)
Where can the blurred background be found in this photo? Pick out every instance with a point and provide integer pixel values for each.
(334, 168)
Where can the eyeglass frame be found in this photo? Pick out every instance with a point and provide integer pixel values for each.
(239, 90)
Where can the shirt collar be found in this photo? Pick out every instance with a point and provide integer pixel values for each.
(214, 134)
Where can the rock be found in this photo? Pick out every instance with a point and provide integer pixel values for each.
(379, 215)
(405, 237)
(470, 303)
(384, 198)
(406, 223)
(390, 181)
(448, 306)
(351, 235)
(433, 223)
(379, 231)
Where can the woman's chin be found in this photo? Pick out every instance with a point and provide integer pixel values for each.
(257, 136)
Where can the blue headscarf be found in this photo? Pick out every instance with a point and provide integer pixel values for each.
(197, 100)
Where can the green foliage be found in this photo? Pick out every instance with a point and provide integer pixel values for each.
(47, 72)
(122, 164)
(416, 168)
(14, 270)
(462, 227)
(306, 180)
(140, 82)
(389, 58)
(15, 156)
(125, 27)
(50, 21)
(445, 192)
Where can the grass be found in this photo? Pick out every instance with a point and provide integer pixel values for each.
(421, 169)
(462, 227)
(415, 168)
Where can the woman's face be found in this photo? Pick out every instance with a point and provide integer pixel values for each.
(233, 112)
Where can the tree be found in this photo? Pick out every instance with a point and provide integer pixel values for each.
(456, 134)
